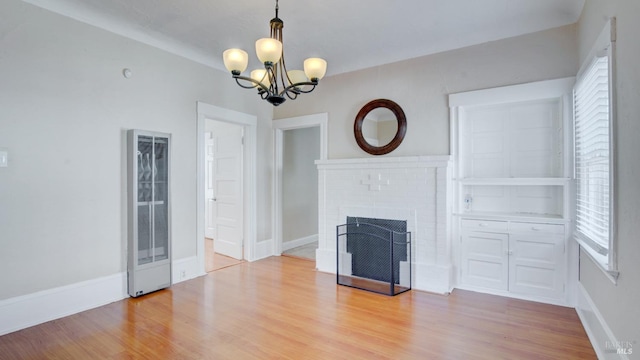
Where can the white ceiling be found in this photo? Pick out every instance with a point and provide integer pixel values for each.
(349, 34)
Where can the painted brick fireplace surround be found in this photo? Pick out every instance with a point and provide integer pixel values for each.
(413, 188)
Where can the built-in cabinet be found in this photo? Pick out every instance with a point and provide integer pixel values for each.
(518, 257)
(149, 212)
(512, 185)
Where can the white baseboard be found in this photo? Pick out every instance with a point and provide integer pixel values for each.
(432, 278)
(326, 260)
(602, 338)
(185, 269)
(504, 293)
(262, 250)
(28, 310)
(288, 245)
(32, 309)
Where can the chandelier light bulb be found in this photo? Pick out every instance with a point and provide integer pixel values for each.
(269, 50)
(315, 68)
(297, 76)
(261, 76)
(235, 60)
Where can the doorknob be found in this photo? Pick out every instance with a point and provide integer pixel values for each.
(214, 199)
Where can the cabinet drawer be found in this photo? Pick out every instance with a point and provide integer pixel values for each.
(535, 228)
(484, 225)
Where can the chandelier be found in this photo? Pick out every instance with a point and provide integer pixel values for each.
(274, 82)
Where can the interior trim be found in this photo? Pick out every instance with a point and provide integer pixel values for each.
(207, 111)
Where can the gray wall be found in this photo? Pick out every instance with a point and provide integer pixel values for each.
(300, 183)
(620, 304)
(420, 86)
(64, 110)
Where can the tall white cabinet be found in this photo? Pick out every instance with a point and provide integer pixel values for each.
(512, 188)
(149, 212)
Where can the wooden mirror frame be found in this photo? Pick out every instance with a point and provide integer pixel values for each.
(395, 142)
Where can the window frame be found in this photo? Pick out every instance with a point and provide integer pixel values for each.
(605, 46)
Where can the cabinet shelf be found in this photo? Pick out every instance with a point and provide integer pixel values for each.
(559, 181)
(526, 217)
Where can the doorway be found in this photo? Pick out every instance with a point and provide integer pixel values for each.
(223, 194)
(290, 187)
(246, 189)
(300, 192)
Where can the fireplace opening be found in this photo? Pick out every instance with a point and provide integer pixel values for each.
(374, 254)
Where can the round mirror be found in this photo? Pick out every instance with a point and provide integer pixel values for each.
(380, 127)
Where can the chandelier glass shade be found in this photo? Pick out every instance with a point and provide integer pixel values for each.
(274, 83)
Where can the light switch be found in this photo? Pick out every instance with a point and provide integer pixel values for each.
(4, 158)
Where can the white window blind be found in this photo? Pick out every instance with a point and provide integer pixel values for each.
(593, 155)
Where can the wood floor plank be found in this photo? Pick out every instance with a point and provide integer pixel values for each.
(214, 261)
(281, 308)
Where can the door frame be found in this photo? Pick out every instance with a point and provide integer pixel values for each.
(249, 183)
(207, 180)
(279, 126)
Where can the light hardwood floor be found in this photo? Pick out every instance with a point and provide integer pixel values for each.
(214, 261)
(281, 308)
(305, 251)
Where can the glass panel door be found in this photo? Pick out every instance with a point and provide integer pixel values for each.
(160, 174)
(145, 191)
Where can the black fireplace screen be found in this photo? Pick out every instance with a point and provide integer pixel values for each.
(374, 255)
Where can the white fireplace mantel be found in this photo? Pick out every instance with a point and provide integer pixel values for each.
(412, 188)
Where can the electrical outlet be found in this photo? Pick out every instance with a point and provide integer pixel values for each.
(183, 274)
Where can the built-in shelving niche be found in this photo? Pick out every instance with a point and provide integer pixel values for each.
(512, 188)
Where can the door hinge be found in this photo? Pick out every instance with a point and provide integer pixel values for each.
(242, 140)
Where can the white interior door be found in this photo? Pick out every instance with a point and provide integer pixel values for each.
(210, 208)
(227, 189)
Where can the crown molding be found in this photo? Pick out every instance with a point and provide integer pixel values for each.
(85, 15)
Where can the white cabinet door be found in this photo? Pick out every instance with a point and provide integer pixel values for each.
(485, 260)
(516, 257)
(536, 265)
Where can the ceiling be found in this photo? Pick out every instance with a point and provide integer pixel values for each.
(349, 34)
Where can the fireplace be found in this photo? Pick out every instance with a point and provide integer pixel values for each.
(412, 189)
(378, 253)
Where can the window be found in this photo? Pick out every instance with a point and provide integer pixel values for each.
(592, 155)
(594, 160)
